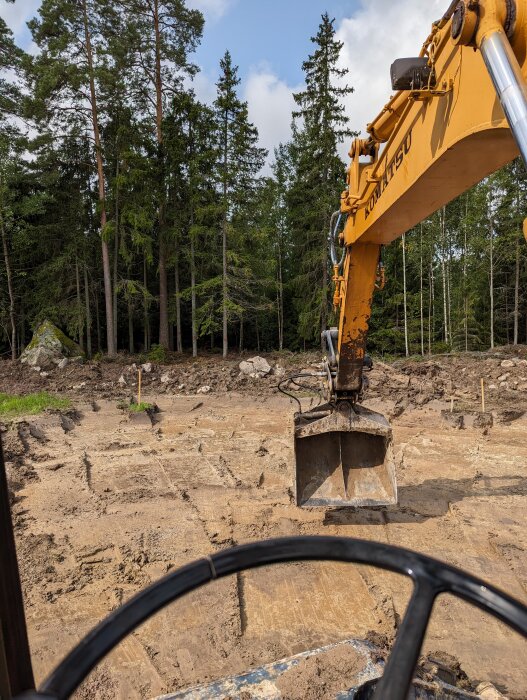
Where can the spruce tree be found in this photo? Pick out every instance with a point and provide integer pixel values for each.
(239, 162)
(320, 125)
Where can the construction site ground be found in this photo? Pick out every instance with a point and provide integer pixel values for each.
(106, 502)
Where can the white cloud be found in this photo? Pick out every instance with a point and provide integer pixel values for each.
(378, 33)
(204, 86)
(270, 105)
(212, 9)
(16, 15)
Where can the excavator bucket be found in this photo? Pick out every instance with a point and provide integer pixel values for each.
(344, 457)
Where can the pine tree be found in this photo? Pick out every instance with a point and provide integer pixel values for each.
(66, 79)
(160, 35)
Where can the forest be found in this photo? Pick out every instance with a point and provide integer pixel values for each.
(139, 219)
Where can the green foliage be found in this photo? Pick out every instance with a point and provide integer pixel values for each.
(158, 354)
(135, 407)
(182, 178)
(29, 405)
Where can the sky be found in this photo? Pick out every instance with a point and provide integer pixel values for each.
(269, 40)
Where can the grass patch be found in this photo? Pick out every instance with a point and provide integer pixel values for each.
(135, 407)
(139, 407)
(30, 404)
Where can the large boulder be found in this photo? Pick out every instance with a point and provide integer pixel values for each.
(256, 367)
(48, 347)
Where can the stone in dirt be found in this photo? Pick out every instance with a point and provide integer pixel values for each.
(507, 364)
(454, 420)
(256, 367)
(204, 390)
(147, 367)
(48, 347)
(483, 420)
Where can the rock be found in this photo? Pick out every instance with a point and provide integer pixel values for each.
(63, 363)
(48, 345)
(204, 390)
(165, 378)
(522, 363)
(181, 387)
(483, 420)
(36, 368)
(487, 691)
(147, 367)
(510, 415)
(122, 380)
(44, 375)
(507, 364)
(78, 360)
(279, 371)
(522, 387)
(79, 386)
(492, 387)
(257, 366)
(454, 420)
(504, 377)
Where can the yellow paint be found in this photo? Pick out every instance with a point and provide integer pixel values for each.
(425, 148)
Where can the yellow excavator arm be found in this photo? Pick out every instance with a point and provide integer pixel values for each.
(461, 115)
(458, 114)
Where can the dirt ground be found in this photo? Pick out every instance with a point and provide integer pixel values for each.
(106, 503)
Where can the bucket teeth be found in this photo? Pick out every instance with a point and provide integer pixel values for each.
(344, 457)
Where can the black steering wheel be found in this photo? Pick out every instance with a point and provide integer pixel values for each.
(430, 578)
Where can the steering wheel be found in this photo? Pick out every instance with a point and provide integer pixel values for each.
(430, 578)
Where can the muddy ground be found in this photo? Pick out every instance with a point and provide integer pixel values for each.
(106, 503)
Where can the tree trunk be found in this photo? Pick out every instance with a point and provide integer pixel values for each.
(193, 292)
(88, 313)
(146, 319)
(101, 185)
(225, 316)
(116, 255)
(10, 291)
(442, 216)
(491, 286)
(98, 322)
(80, 320)
(179, 336)
(517, 292)
(431, 299)
(465, 289)
(421, 297)
(406, 346)
(280, 300)
(131, 344)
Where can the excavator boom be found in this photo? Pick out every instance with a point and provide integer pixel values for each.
(459, 113)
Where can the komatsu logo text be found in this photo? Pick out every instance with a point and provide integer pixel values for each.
(390, 171)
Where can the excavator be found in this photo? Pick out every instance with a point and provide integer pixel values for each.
(459, 113)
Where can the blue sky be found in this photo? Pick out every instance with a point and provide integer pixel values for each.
(272, 32)
(269, 40)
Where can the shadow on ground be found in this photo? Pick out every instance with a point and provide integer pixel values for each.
(430, 499)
